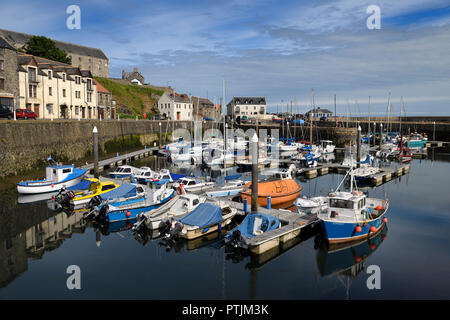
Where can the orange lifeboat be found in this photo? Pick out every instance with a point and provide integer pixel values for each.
(282, 192)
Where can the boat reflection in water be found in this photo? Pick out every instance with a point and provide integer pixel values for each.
(346, 261)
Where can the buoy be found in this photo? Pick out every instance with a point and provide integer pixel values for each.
(379, 207)
(53, 185)
(128, 213)
(373, 229)
(385, 220)
(357, 259)
(372, 246)
(358, 229)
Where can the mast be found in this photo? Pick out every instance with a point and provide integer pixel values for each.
(310, 118)
(368, 128)
(388, 112)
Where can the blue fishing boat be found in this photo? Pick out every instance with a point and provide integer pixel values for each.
(56, 177)
(253, 225)
(157, 196)
(350, 216)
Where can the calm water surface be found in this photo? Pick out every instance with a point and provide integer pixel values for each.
(37, 246)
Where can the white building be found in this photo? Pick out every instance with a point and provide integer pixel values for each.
(250, 107)
(176, 106)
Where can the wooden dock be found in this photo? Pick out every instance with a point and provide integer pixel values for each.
(121, 159)
(291, 225)
(385, 174)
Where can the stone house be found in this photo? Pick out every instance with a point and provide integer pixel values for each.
(176, 106)
(206, 108)
(134, 77)
(54, 90)
(9, 83)
(106, 109)
(318, 113)
(250, 107)
(84, 58)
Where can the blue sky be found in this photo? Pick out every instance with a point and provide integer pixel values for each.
(277, 49)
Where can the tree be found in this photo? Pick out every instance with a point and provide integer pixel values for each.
(44, 47)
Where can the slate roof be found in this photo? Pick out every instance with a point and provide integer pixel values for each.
(248, 100)
(180, 97)
(318, 110)
(5, 44)
(20, 39)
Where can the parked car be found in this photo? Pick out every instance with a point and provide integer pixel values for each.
(25, 114)
(6, 112)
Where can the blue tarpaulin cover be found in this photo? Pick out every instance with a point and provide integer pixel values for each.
(247, 226)
(236, 176)
(176, 177)
(204, 215)
(82, 185)
(126, 190)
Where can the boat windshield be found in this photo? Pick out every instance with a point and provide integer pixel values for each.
(340, 203)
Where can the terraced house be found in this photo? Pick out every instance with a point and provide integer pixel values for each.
(9, 88)
(54, 90)
(248, 107)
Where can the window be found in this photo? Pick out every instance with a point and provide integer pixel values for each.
(2, 51)
(2, 65)
(77, 80)
(64, 77)
(32, 89)
(2, 83)
(108, 187)
(32, 74)
(89, 97)
(49, 91)
(50, 74)
(64, 92)
(89, 85)
(67, 170)
(77, 111)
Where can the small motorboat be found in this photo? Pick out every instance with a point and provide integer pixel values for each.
(215, 157)
(181, 205)
(163, 174)
(253, 225)
(145, 173)
(205, 219)
(194, 185)
(310, 205)
(326, 147)
(365, 172)
(79, 195)
(282, 192)
(229, 188)
(56, 177)
(127, 193)
(124, 171)
(157, 196)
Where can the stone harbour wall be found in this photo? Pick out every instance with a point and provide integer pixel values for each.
(26, 145)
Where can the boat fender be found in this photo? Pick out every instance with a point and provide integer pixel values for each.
(358, 229)
(373, 229)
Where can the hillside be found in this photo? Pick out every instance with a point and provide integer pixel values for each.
(132, 99)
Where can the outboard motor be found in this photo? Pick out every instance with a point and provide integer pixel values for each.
(95, 201)
(235, 238)
(140, 224)
(175, 232)
(103, 213)
(65, 198)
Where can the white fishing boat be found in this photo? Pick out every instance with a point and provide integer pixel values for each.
(56, 177)
(182, 205)
(194, 185)
(124, 171)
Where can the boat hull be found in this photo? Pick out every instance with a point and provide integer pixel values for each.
(24, 189)
(281, 192)
(132, 213)
(341, 232)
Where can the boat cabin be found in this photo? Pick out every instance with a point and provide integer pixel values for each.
(189, 201)
(347, 206)
(58, 173)
(187, 181)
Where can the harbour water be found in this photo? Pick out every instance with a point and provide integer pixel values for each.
(37, 246)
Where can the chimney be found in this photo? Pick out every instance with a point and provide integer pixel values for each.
(135, 69)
